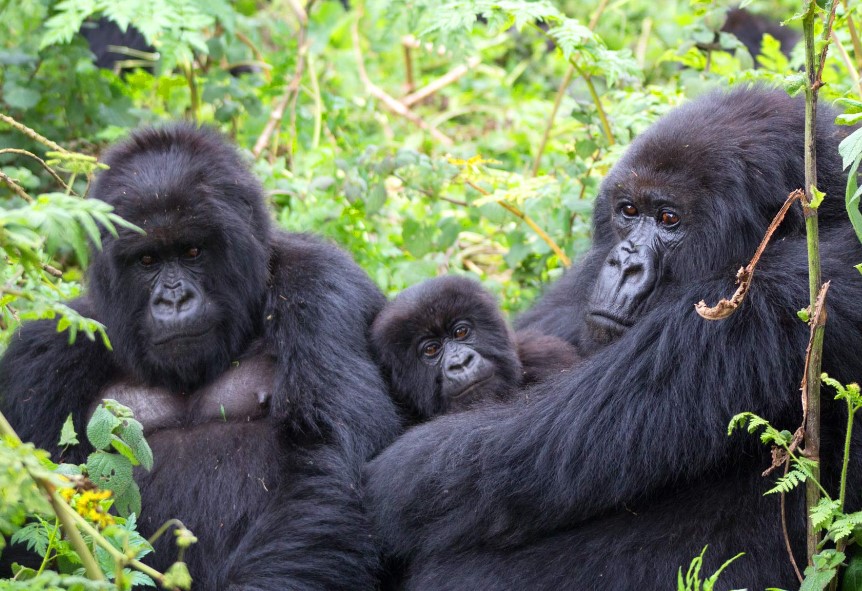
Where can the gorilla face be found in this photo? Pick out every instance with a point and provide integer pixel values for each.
(680, 206)
(647, 226)
(445, 347)
(184, 298)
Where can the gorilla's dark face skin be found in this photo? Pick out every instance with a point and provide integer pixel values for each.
(648, 225)
(445, 347)
(184, 298)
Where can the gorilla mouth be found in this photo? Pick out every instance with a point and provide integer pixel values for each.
(474, 386)
(608, 320)
(174, 338)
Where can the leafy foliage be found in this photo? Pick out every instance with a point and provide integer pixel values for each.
(692, 581)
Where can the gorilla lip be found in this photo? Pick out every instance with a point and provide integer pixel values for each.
(472, 386)
(172, 338)
(607, 320)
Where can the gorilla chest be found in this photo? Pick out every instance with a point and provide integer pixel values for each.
(240, 395)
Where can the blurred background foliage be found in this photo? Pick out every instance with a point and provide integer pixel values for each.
(425, 137)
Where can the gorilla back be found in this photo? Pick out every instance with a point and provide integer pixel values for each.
(619, 473)
(243, 350)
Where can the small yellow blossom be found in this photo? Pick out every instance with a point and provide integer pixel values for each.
(89, 506)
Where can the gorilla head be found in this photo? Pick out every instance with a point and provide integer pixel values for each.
(676, 195)
(445, 347)
(183, 299)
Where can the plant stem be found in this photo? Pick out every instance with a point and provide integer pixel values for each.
(561, 91)
(530, 222)
(846, 459)
(811, 402)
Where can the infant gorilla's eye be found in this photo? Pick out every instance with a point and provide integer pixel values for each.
(192, 253)
(461, 332)
(431, 349)
(669, 218)
(629, 210)
(147, 260)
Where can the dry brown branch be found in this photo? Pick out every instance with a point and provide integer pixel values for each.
(408, 42)
(786, 532)
(388, 101)
(724, 308)
(445, 80)
(16, 188)
(290, 91)
(53, 271)
(817, 320)
(31, 133)
(44, 165)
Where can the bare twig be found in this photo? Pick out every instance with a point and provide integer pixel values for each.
(453, 75)
(53, 271)
(277, 114)
(527, 220)
(785, 530)
(31, 133)
(725, 308)
(854, 35)
(597, 14)
(16, 188)
(558, 100)
(643, 40)
(408, 42)
(42, 163)
(388, 101)
(848, 63)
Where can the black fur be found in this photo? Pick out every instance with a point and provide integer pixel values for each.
(275, 502)
(617, 474)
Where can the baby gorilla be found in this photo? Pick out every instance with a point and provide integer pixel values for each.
(445, 347)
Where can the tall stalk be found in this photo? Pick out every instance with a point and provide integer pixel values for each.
(813, 71)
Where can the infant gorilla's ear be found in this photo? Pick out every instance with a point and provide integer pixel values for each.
(445, 347)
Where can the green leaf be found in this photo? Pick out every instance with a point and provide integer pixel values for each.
(132, 434)
(129, 500)
(850, 148)
(111, 471)
(101, 427)
(68, 436)
(816, 197)
(852, 578)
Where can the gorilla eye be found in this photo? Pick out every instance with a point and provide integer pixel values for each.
(669, 218)
(147, 260)
(192, 253)
(431, 349)
(461, 332)
(629, 210)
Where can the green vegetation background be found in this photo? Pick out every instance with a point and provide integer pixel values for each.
(410, 196)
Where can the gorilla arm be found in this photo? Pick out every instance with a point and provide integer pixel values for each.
(42, 377)
(650, 412)
(328, 389)
(332, 412)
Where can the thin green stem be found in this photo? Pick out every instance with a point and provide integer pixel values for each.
(842, 495)
(51, 538)
(561, 92)
(606, 126)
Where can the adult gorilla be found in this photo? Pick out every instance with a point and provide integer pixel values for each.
(261, 461)
(619, 473)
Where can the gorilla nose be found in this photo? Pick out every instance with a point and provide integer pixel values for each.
(460, 362)
(171, 303)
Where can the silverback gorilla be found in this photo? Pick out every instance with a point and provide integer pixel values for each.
(619, 473)
(445, 347)
(261, 461)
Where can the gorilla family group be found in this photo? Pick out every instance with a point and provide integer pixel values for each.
(589, 450)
